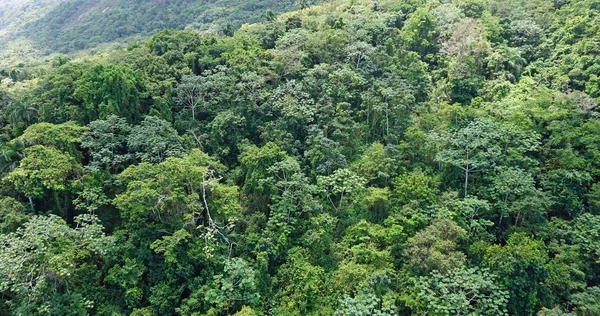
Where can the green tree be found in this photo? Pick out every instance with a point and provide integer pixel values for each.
(234, 288)
(293, 201)
(10, 155)
(111, 89)
(341, 187)
(107, 142)
(375, 165)
(176, 191)
(65, 137)
(44, 169)
(415, 186)
(301, 285)
(436, 247)
(19, 111)
(515, 195)
(154, 140)
(520, 265)
(368, 305)
(128, 277)
(420, 32)
(41, 264)
(12, 215)
(255, 166)
(463, 291)
(473, 148)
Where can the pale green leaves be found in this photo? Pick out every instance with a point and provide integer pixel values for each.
(464, 291)
(46, 252)
(43, 168)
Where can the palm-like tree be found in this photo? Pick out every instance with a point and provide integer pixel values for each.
(303, 4)
(19, 111)
(268, 16)
(10, 155)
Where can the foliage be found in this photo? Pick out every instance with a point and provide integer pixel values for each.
(464, 291)
(44, 258)
(374, 157)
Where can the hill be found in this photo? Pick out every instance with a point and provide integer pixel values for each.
(31, 29)
(373, 157)
(79, 24)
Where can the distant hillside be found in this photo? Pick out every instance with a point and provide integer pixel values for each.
(80, 24)
(48, 26)
(14, 13)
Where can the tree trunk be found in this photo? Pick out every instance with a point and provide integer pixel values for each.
(466, 179)
(31, 203)
(58, 206)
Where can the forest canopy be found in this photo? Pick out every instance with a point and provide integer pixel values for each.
(372, 157)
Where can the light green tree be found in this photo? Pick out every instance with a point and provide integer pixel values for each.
(43, 259)
(462, 291)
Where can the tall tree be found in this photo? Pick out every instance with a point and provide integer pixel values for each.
(19, 111)
(473, 148)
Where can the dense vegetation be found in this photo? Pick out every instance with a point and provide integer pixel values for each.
(373, 157)
(32, 29)
(78, 24)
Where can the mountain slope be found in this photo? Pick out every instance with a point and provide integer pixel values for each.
(362, 157)
(14, 13)
(80, 24)
(31, 29)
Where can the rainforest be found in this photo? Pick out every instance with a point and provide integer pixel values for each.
(340, 157)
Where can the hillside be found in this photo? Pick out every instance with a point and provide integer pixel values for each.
(359, 157)
(31, 29)
(14, 14)
(79, 24)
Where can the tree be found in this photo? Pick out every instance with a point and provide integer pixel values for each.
(255, 166)
(234, 288)
(10, 155)
(19, 111)
(65, 137)
(473, 148)
(54, 96)
(154, 140)
(293, 199)
(375, 165)
(5, 99)
(366, 256)
(521, 267)
(206, 94)
(190, 93)
(173, 190)
(268, 16)
(12, 215)
(515, 195)
(367, 305)
(420, 32)
(128, 276)
(226, 131)
(301, 285)
(323, 154)
(463, 291)
(416, 186)
(43, 169)
(111, 89)
(343, 183)
(303, 4)
(473, 216)
(107, 142)
(44, 259)
(582, 231)
(435, 247)
(588, 301)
